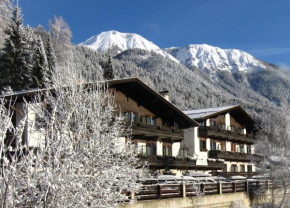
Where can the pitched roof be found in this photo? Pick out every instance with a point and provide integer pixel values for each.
(136, 89)
(235, 110)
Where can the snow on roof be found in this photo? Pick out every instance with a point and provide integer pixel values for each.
(238, 177)
(200, 113)
(14, 93)
(218, 178)
(199, 174)
(168, 177)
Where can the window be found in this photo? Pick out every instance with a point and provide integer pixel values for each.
(234, 168)
(176, 126)
(242, 168)
(212, 123)
(223, 146)
(202, 123)
(233, 147)
(242, 148)
(148, 120)
(249, 149)
(240, 131)
(221, 126)
(225, 168)
(249, 168)
(202, 145)
(167, 150)
(166, 124)
(213, 145)
(183, 153)
(131, 116)
(150, 149)
(233, 128)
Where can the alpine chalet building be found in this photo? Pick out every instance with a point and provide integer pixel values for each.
(224, 134)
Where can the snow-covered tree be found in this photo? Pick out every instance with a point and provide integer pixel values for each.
(13, 171)
(274, 145)
(88, 161)
(39, 30)
(51, 59)
(16, 58)
(61, 36)
(84, 157)
(40, 68)
(5, 17)
(108, 71)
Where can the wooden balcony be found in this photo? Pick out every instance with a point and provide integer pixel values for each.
(162, 162)
(156, 131)
(167, 161)
(229, 174)
(233, 156)
(217, 133)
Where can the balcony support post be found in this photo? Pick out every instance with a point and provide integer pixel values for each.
(234, 187)
(220, 188)
(183, 190)
(132, 195)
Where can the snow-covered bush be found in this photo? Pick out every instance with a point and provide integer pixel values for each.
(85, 158)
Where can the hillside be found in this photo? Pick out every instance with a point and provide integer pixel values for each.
(234, 74)
(188, 89)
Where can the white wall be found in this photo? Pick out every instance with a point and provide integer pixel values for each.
(190, 142)
(175, 148)
(159, 150)
(228, 121)
(207, 123)
(239, 166)
(228, 146)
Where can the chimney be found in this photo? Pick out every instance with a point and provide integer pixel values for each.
(165, 94)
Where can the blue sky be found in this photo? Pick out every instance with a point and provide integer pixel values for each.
(260, 27)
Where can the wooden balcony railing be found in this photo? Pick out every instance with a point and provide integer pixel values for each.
(208, 131)
(233, 156)
(140, 128)
(166, 161)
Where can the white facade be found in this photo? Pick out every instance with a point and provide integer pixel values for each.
(224, 121)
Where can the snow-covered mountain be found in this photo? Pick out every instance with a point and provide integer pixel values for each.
(122, 41)
(210, 59)
(207, 58)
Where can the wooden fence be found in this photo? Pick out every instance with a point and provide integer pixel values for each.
(161, 191)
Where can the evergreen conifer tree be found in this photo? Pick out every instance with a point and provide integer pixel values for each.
(15, 60)
(40, 66)
(108, 71)
(51, 60)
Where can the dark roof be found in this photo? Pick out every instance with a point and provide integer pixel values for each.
(149, 98)
(138, 91)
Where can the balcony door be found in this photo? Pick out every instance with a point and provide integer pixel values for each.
(233, 147)
(167, 149)
(150, 149)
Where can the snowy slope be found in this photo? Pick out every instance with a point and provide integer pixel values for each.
(121, 42)
(211, 59)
